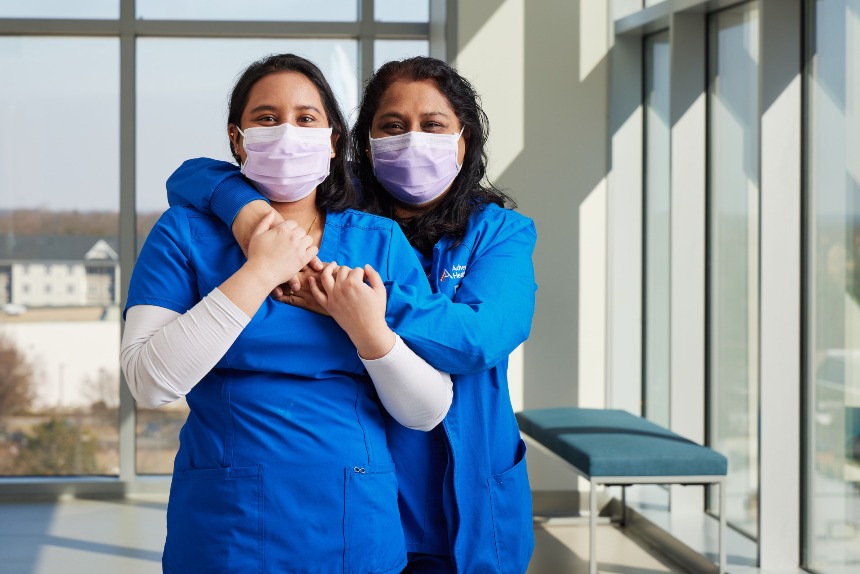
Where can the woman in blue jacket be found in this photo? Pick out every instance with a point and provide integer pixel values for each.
(283, 463)
(419, 156)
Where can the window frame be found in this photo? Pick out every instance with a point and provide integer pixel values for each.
(127, 28)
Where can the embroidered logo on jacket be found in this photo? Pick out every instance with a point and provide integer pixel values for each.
(456, 272)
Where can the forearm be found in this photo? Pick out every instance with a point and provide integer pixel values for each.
(165, 354)
(475, 337)
(414, 393)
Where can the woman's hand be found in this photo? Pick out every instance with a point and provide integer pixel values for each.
(249, 217)
(244, 226)
(277, 253)
(297, 291)
(356, 305)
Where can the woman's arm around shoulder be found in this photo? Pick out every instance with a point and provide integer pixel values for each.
(491, 311)
(212, 187)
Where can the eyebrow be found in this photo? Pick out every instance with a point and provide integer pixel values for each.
(270, 108)
(398, 115)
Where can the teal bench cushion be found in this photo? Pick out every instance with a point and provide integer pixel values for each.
(607, 442)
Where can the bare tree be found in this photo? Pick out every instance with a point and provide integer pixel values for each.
(16, 379)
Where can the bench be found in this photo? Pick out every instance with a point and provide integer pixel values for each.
(616, 448)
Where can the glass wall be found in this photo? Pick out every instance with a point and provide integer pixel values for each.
(657, 229)
(733, 251)
(59, 264)
(387, 50)
(259, 10)
(65, 113)
(402, 10)
(832, 526)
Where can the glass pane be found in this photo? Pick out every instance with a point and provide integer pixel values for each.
(82, 9)
(260, 10)
(183, 88)
(733, 255)
(832, 543)
(387, 50)
(657, 233)
(402, 10)
(59, 270)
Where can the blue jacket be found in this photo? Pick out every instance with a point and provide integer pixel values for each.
(485, 494)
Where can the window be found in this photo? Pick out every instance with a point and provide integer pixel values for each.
(256, 10)
(402, 10)
(733, 222)
(387, 50)
(95, 9)
(832, 528)
(69, 214)
(67, 371)
(657, 224)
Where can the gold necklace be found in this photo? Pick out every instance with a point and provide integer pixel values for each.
(311, 228)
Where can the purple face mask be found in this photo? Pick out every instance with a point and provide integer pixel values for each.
(416, 167)
(286, 163)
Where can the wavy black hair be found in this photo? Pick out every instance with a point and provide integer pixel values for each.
(469, 192)
(336, 192)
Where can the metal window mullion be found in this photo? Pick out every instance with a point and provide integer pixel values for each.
(217, 28)
(367, 28)
(127, 219)
(50, 27)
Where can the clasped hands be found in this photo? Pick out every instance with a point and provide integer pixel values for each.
(354, 297)
(320, 286)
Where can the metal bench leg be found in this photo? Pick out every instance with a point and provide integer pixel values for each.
(623, 505)
(592, 529)
(723, 565)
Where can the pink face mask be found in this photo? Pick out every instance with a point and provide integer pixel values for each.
(416, 167)
(286, 163)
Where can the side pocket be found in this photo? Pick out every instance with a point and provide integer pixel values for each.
(373, 536)
(511, 504)
(215, 521)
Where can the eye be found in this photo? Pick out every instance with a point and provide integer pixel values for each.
(306, 119)
(433, 127)
(392, 127)
(266, 119)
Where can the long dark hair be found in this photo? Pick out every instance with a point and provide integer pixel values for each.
(336, 192)
(469, 192)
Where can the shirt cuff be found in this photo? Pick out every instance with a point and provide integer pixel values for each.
(231, 196)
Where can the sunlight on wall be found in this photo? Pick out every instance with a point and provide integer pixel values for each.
(593, 35)
(494, 61)
(592, 298)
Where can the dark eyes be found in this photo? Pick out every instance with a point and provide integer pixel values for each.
(273, 120)
(429, 126)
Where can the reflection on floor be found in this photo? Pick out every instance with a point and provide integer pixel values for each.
(561, 548)
(85, 536)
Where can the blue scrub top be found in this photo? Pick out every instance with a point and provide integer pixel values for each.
(480, 310)
(283, 463)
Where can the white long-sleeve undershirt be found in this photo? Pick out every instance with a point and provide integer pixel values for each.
(164, 354)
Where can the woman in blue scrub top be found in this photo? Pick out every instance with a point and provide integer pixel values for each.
(283, 463)
(419, 157)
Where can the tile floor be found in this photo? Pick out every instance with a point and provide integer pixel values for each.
(125, 536)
